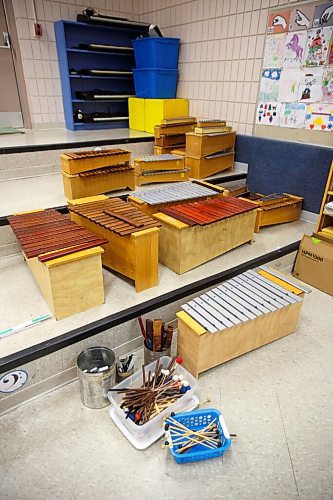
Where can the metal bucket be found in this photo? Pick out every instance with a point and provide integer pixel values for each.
(94, 386)
(150, 356)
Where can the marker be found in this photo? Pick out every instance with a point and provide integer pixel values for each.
(24, 326)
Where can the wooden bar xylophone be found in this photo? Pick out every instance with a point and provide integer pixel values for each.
(209, 211)
(87, 173)
(132, 236)
(239, 315)
(194, 233)
(64, 258)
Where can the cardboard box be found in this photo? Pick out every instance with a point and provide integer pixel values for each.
(314, 263)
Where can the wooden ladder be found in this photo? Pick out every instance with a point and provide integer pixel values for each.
(325, 220)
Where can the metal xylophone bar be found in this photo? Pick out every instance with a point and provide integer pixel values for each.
(244, 297)
(178, 192)
(161, 172)
(157, 158)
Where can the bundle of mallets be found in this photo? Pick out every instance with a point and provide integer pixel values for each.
(183, 439)
(159, 390)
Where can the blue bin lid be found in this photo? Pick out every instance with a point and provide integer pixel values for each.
(160, 39)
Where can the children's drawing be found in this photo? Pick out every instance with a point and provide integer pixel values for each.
(317, 47)
(310, 87)
(301, 18)
(293, 114)
(289, 85)
(323, 15)
(330, 55)
(278, 22)
(274, 51)
(269, 86)
(319, 117)
(294, 50)
(268, 113)
(327, 85)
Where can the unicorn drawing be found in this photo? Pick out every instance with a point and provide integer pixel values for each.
(294, 46)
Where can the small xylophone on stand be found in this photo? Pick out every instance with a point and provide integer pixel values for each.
(89, 173)
(242, 314)
(153, 200)
(64, 258)
(196, 232)
(132, 237)
(160, 168)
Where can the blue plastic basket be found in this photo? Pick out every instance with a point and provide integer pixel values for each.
(156, 52)
(155, 83)
(196, 420)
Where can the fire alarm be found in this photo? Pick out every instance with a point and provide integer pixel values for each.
(38, 29)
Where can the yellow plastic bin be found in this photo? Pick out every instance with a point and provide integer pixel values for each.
(136, 108)
(158, 109)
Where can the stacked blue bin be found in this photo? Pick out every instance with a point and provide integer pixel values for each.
(156, 73)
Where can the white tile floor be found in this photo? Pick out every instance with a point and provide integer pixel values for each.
(278, 399)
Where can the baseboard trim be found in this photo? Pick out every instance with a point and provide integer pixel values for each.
(309, 217)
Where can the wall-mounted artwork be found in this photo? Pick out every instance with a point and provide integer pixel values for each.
(293, 114)
(330, 55)
(294, 49)
(269, 85)
(274, 51)
(323, 15)
(278, 22)
(268, 113)
(327, 86)
(301, 18)
(289, 85)
(319, 117)
(317, 47)
(310, 87)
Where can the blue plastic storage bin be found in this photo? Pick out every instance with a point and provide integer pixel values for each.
(196, 420)
(156, 52)
(155, 83)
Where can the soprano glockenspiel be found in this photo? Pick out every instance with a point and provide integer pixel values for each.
(159, 168)
(132, 237)
(196, 232)
(64, 258)
(239, 315)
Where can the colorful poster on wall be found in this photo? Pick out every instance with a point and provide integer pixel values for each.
(289, 85)
(268, 113)
(301, 18)
(317, 47)
(323, 15)
(310, 87)
(330, 55)
(327, 86)
(269, 85)
(278, 22)
(319, 117)
(294, 49)
(274, 51)
(293, 114)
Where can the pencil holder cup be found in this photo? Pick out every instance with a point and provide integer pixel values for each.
(150, 356)
(123, 375)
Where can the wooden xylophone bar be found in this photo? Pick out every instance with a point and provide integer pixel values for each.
(209, 211)
(80, 155)
(115, 215)
(48, 232)
(106, 170)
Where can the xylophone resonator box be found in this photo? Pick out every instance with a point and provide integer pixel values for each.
(132, 237)
(194, 233)
(238, 316)
(64, 259)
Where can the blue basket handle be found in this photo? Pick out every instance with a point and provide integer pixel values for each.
(224, 427)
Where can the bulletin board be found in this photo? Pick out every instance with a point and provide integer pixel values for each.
(295, 98)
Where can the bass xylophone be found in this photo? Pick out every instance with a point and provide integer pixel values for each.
(132, 236)
(64, 258)
(241, 314)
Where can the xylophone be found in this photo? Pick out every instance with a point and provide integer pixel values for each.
(243, 313)
(87, 173)
(153, 200)
(194, 233)
(275, 208)
(64, 258)
(162, 168)
(200, 146)
(175, 126)
(132, 237)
